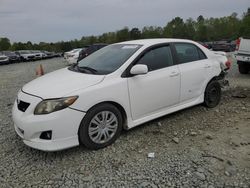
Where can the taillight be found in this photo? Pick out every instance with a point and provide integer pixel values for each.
(237, 44)
(228, 64)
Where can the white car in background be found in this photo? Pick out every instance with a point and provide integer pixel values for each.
(72, 56)
(118, 87)
(26, 55)
(38, 54)
(242, 55)
(3, 59)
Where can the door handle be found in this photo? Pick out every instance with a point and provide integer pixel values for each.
(173, 74)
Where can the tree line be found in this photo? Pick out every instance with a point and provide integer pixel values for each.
(202, 29)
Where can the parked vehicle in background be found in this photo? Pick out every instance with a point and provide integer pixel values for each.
(118, 87)
(26, 55)
(233, 45)
(58, 54)
(72, 56)
(47, 54)
(83, 51)
(208, 45)
(3, 59)
(89, 50)
(242, 55)
(223, 45)
(13, 57)
(203, 44)
(66, 54)
(38, 54)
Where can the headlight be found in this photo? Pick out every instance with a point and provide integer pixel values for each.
(52, 105)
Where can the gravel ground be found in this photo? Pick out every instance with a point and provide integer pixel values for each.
(196, 147)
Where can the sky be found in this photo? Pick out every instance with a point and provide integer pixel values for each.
(57, 20)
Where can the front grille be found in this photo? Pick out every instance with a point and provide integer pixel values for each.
(3, 58)
(22, 106)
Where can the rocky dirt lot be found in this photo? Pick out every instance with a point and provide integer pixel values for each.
(196, 147)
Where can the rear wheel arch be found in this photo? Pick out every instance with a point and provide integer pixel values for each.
(215, 78)
(213, 83)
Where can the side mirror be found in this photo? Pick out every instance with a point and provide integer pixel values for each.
(139, 69)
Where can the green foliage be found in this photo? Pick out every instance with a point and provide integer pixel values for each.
(152, 32)
(245, 25)
(201, 29)
(135, 33)
(4, 44)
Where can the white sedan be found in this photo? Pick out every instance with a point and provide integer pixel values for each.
(72, 56)
(118, 87)
(3, 59)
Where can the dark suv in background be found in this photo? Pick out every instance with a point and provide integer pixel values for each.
(87, 50)
(224, 45)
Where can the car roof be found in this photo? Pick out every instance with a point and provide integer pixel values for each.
(148, 42)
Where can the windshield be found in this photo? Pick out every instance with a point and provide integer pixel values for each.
(108, 59)
(8, 53)
(24, 52)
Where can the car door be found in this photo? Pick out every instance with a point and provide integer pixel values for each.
(159, 88)
(194, 69)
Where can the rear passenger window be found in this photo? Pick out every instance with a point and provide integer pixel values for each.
(188, 53)
(157, 58)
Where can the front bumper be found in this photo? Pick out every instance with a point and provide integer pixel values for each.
(4, 61)
(64, 125)
(38, 57)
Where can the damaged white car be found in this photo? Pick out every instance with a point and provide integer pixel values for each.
(118, 87)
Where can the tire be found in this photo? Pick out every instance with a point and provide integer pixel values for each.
(243, 69)
(92, 125)
(22, 59)
(212, 94)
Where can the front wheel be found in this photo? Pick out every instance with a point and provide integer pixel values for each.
(212, 94)
(100, 127)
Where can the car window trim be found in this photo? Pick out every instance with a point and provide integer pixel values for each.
(175, 52)
(127, 74)
(202, 53)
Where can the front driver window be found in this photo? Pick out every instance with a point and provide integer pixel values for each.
(157, 58)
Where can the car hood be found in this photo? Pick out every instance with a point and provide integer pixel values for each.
(60, 83)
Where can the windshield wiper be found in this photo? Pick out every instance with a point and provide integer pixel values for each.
(89, 69)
